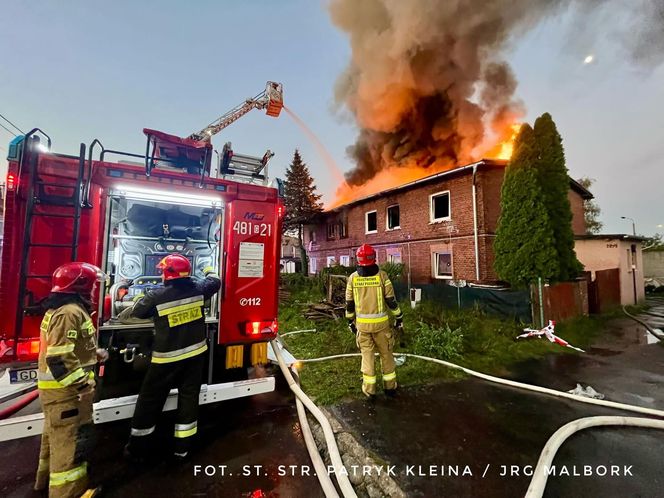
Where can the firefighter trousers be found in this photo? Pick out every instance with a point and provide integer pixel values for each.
(66, 443)
(383, 342)
(186, 375)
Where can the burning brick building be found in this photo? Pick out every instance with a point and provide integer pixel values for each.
(440, 227)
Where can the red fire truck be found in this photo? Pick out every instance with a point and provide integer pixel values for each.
(124, 216)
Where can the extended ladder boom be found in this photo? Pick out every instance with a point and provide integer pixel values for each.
(271, 99)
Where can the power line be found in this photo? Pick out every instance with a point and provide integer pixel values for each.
(8, 129)
(1, 116)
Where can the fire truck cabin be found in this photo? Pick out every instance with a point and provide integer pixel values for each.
(124, 217)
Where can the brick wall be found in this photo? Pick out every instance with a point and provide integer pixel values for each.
(578, 220)
(418, 235)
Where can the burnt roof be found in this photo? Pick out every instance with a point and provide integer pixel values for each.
(461, 170)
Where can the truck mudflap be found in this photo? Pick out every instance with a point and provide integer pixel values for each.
(110, 410)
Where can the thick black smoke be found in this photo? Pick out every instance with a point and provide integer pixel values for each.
(428, 79)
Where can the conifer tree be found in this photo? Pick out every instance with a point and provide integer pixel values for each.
(524, 244)
(301, 202)
(554, 184)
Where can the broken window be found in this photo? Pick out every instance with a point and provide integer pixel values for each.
(442, 264)
(371, 222)
(439, 206)
(343, 229)
(393, 217)
(393, 255)
(332, 231)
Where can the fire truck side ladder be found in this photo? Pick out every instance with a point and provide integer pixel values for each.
(37, 196)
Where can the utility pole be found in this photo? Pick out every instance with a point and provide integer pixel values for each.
(633, 223)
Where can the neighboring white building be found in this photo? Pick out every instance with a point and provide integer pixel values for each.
(624, 252)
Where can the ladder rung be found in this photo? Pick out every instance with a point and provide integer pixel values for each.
(51, 184)
(50, 245)
(54, 215)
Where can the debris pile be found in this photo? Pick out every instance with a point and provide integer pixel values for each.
(323, 311)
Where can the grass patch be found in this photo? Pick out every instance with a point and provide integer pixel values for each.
(468, 337)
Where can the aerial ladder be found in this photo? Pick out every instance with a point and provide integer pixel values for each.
(177, 150)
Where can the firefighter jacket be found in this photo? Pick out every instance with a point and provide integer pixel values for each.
(179, 318)
(369, 296)
(67, 352)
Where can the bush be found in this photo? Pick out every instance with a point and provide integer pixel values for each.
(393, 270)
(438, 341)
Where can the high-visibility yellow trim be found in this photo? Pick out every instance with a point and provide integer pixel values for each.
(369, 379)
(379, 298)
(180, 357)
(396, 312)
(60, 478)
(373, 320)
(259, 353)
(391, 376)
(43, 326)
(58, 350)
(50, 383)
(350, 315)
(185, 316)
(183, 307)
(73, 377)
(188, 433)
(373, 281)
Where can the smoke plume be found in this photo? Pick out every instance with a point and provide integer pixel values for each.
(428, 82)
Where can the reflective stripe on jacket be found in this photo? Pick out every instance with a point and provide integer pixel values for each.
(68, 348)
(370, 296)
(179, 317)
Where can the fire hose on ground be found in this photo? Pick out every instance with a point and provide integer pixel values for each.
(19, 404)
(655, 332)
(339, 470)
(538, 483)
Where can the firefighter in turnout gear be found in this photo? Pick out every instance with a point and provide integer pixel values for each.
(369, 295)
(65, 379)
(180, 340)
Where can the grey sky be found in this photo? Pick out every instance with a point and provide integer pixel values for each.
(91, 69)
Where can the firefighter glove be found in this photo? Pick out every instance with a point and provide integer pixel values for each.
(398, 323)
(352, 328)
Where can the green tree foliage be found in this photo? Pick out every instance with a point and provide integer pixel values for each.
(524, 246)
(654, 243)
(301, 201)
(554, 185)
(591, 210)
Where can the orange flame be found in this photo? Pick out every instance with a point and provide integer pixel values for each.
(399, 175)
(507, 146)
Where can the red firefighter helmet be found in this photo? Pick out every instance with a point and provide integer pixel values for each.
(77, 278)
(175, 266)
(366, 255)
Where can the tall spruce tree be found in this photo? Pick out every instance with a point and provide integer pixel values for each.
(554, 185)
(301, 202)
(524, 244)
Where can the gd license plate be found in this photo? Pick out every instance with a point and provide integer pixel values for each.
(22, 376)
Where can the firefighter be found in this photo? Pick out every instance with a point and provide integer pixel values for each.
(65, 379)
(369, 294)
(177, 353)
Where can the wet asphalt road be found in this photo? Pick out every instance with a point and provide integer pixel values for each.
(468, 430)
(473, 428)
(261, 431)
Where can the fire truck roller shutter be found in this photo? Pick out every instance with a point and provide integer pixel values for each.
(148, 221)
